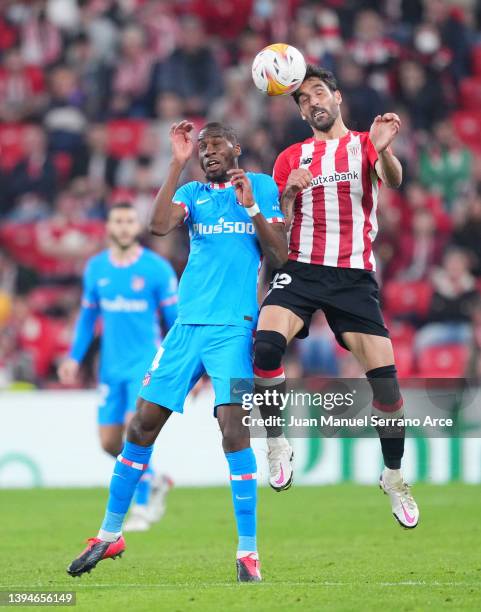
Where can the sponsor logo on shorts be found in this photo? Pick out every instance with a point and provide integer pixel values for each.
(146, 380)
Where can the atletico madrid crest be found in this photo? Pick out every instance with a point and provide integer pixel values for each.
(138, 283)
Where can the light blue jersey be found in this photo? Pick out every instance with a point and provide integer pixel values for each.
(217, 294)
(218, 286)
(128, 299)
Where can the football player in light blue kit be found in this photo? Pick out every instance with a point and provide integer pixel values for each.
(126, 286)
(233, 219)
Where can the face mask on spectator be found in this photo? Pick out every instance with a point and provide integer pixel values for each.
(427, 41)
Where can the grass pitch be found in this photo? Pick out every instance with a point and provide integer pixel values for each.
(322, 548)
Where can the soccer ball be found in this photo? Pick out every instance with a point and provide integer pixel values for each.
(278, 69)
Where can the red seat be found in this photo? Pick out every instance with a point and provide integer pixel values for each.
(404, 358)
(401, 332)
(124, 136)
(63, 162)
(470, 93)
(446, 361)
(11, 152)
(41, 298)
(403, 298)
(468, 127)
(476, 60)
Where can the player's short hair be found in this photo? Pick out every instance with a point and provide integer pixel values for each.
(124, 205)
(326, 76)
(220, 129)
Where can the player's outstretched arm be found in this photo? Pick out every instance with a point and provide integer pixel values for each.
(272, 237)
(384, 130)
(165, 215)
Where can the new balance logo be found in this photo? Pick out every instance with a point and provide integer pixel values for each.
(306, 161)
(337, 177)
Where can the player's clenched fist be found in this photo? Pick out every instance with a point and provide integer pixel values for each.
(181, 140)
(299, 179)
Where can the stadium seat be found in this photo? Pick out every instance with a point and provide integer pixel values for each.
(476, 60)
(124, 136)
(470, 93)
(404, 358)
(404, 299)
(446, 361)
(44, 298)
(468, 127)
(63, 164)
(401, 331)
(10, 145)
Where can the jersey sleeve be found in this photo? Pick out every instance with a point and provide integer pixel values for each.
(184, 196)
(267, 198)
(90, 298)
(89, 311)
(166, 293)
(281, 171)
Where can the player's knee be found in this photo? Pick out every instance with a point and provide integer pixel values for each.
(234, 439)
(385, 388)
(112, 447)
(146, 423)
(269, 349)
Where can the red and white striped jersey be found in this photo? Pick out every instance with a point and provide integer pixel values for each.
(334, 221)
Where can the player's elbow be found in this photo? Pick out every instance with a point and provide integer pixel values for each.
(393, 178)
(394, 183)
(158, 229)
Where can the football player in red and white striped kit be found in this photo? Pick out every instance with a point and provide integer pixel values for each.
(329, 185)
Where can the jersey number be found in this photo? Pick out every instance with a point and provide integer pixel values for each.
(158, 355)
(280, 280)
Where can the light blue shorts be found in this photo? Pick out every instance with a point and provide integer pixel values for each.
(224, 352)
(117, 399)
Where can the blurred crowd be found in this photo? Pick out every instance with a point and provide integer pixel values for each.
(89, 89)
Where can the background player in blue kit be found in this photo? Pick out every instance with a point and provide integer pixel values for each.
(233, 219)
(126, 285)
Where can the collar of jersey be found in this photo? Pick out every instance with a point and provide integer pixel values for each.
(129, 262)
(220, 185)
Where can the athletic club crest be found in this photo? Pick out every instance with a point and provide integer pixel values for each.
(138, 283)
(354, 150)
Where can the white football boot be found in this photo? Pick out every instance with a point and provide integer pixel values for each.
(157, 501)
(279, 456)
(138, 519)
(404, 508)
